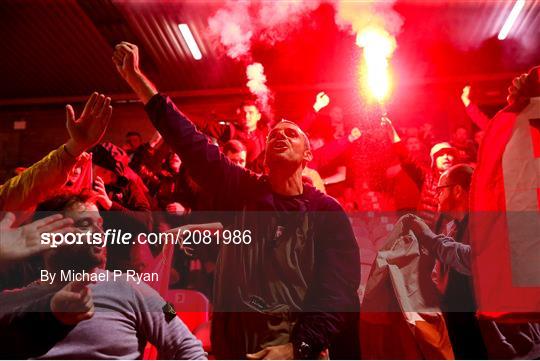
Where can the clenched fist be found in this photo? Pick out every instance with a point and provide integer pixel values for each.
(126, 59)
(321, 101)
(73, 303)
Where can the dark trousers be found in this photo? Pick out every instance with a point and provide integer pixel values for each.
(465, 336)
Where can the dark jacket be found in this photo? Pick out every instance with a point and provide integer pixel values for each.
(129, 195)
(253, 141)
(297, 279)
(426, 179)
(27, 325)
(472, 338)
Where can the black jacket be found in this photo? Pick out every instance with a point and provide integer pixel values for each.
(297, 280)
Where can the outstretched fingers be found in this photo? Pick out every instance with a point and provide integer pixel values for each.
(7, 221)
(90, 104)
(106, 110)
(45, 221)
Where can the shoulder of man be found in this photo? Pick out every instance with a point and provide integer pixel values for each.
(320, 201)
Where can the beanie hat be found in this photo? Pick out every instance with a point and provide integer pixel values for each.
(438, 148)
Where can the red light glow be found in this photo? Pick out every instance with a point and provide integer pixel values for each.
(378, 46)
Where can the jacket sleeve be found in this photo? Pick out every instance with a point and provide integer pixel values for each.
(307, 122)
(328, 153)
(29, 330)
(166, 331)
(477, 116)
(222, 132)
(206, 164)
(332, 296)
(414, 169)
(454, 254)
(137, 206)
(38, 182)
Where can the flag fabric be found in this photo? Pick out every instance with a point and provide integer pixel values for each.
(85, 178)
(401, 302)
(161, 264)
(505, 221)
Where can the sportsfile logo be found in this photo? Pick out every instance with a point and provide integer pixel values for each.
(110, 236)
(184, 237)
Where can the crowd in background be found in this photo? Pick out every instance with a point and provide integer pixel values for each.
(364, 170)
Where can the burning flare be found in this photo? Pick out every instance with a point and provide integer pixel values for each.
(378, 46)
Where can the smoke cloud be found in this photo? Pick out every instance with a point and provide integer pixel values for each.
(257, 85)
(356, 16)
(233, 26)
(238, 24)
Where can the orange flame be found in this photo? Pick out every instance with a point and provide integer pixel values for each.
(378, 46)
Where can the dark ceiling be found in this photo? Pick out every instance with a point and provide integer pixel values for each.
(62, 48)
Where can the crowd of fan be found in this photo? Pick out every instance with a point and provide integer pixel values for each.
(147, 183)
(144, 186)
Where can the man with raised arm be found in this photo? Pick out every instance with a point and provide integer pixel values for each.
(443, 156)
(291, 291)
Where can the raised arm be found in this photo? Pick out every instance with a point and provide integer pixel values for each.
(408, 163)
(475, 114)
(17, 244)
(208, 166)
(454, 254)
(46, 176)
(321, 101)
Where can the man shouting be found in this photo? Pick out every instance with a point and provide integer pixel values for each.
(291, 291)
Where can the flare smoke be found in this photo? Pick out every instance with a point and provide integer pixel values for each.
(257, 85)
(240, 23)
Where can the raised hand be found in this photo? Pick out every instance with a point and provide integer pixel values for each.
(126, 59)
(386, 124)
(417, 225)
(16, 244)
(102, 196)
(355, 134)
(516, 89)
(175, 208)
(321, 101)
(89, 128)
(73, 303)
(466, 95)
